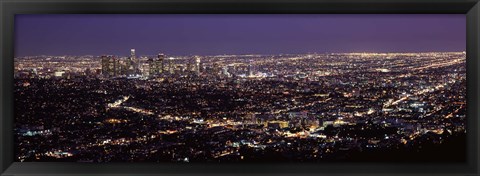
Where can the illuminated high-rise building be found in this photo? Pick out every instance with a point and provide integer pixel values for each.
(151, 66)
(216, 69)
(198, 64)
(161, 60)
(171, 67)
(250, 71)
(156, 64)
(132, 54)
(134, 63)
(109, 66)
(124, 67)
(189, 65)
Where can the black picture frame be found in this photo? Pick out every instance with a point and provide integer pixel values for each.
(8, 9)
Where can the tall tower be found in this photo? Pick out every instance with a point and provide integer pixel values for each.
(171, 68)
(197, 64)
(132, 54)
(134, 66)
(161, 65)
(156, 64)
(109, 66)
(250, 71)
(104, 65)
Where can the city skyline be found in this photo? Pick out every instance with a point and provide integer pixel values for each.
(240, 88)
(236, 34)
(382, 107)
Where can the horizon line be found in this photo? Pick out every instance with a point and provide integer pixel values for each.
(226, 54)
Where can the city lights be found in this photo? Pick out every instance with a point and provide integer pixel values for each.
(237, 108)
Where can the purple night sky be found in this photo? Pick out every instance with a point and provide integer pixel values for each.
(236, 34)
